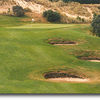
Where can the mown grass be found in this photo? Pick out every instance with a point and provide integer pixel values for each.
(25, 56)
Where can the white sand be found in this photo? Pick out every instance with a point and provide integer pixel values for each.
(68, 80)
(94, 60)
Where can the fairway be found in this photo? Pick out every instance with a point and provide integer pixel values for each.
(26, 55)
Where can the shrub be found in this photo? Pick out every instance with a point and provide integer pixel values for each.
(52, 16)
(18, 11)
(67, 0)
(94, 15)
(99, 7)
(27, 10)
(80, 19)
(96, 25)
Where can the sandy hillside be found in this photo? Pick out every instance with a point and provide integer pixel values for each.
(39, 6)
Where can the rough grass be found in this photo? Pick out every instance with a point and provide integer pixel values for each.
(25, 56)
(68, 11)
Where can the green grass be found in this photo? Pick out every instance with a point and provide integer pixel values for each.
(25, 56)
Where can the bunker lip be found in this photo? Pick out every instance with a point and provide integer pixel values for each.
(63, 43)
(91, 59)
(64, 77)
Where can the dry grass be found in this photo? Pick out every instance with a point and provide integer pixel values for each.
(36, 16)
(73, 9)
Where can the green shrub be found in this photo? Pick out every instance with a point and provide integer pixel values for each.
(52, 16)
(67, 1)
(18, 11)
(80, 19)
(96, 25)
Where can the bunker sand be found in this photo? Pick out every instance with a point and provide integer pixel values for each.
(77, 80)
(94, 60)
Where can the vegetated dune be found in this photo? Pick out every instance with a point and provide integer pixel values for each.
(70, 10)
(31, 5)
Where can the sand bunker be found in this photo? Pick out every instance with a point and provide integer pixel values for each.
(63, 43)
(91, 59)
(60, 75)
(69, 80)
(94, 60)
(64, 77)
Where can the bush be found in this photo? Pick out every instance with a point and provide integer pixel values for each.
(67, 1)
(18, 11)
(27, 10)
(99, 7)
(80, 19)
(52, 16)
(96, 25)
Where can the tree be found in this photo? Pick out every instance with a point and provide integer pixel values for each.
(96, 25)
(52, 16)
(18, 11)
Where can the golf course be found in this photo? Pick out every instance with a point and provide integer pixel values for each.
(29, 54)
